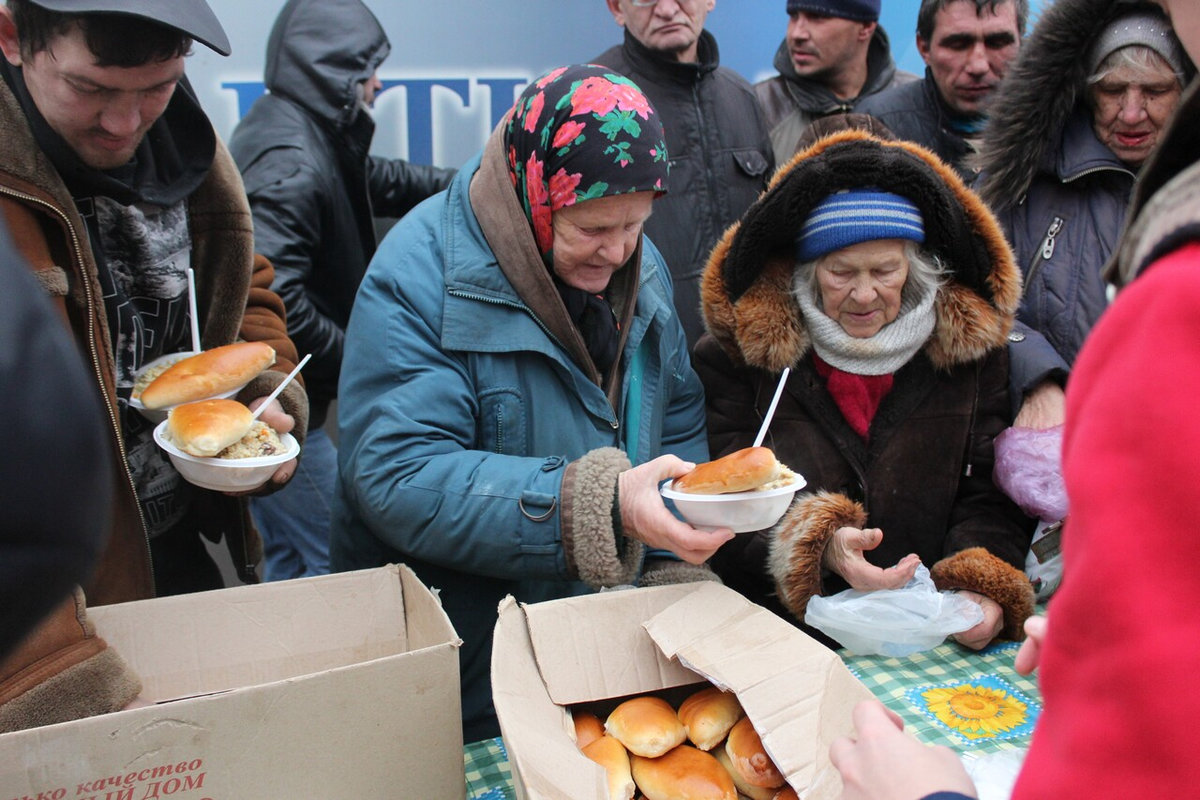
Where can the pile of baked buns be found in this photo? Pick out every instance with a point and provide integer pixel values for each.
(707, 749)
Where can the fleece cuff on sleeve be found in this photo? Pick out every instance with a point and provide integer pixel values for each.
(977, 570)
(798, 543)
(664, 572)
(589, 538)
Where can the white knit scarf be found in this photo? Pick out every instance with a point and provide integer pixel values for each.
(882, 354)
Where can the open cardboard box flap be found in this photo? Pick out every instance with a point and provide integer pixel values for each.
(796, 691)
(549, 656)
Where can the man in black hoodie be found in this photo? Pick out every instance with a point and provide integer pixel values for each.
(315, 192)
(833, 56)
(716, 136)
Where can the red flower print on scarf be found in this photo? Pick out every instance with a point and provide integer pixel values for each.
(562, 189)
(567, 133)
(535, 112)
(550, 78)
(539, 202)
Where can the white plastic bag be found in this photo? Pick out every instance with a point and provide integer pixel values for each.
(893, 622)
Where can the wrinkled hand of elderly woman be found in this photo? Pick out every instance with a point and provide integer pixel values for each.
(646, 518)
(844, 554)
(982, 634)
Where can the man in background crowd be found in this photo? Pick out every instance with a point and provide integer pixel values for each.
(716, 136)
(967, 46)
(314, 191)
(833, 57)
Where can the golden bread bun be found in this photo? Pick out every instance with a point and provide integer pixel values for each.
(740, 471)
(708, 715)
(207, 427)
(612, 755)
(588, 728)
(647, 726)
(786, 793)
(683, 773)
(751, 761)
(744, 789)
(210, 373)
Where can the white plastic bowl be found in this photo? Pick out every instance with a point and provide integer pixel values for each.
(157, 415)
(741, 512)
(226, 474)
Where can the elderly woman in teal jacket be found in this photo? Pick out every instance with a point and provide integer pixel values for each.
(516, 382)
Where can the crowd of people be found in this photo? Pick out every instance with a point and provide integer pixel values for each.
(606, 295)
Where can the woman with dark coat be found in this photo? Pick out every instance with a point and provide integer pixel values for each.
(1077, 115)
(871, 271)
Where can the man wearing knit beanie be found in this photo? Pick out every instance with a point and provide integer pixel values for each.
(833, 55)
(967, 46)
(721, 156)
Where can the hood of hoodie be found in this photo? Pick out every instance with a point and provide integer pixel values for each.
(815, 98)
(319, 51)
(746, 293)
(1039, 96)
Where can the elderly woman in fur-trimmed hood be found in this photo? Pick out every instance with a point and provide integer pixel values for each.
(884, 283)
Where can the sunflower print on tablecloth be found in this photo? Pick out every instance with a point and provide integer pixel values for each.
(983, 708)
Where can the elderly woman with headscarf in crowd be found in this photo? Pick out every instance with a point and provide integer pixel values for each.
(1079, 112)
(886, 286)
(516, 376)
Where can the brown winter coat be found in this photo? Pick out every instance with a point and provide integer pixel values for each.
(925, 475)
(234, 300)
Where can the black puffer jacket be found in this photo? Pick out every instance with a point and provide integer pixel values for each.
(1059, 193)
(720, 157)
(916, 112)
(313, 187)
(924, 475)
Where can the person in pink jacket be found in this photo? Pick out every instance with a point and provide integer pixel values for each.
(1116, 655)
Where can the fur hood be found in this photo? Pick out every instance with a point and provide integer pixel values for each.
(1039, 94)
(746, 291)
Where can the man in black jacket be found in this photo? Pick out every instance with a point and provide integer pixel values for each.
(833, 56)
(716, 137)
(315, 192)
(967, 46)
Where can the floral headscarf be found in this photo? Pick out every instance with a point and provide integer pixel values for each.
(578, 133)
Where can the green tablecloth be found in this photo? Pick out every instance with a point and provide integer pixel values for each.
(972, 702)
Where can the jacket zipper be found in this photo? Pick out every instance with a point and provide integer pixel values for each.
(94, 352)
(1045, 251)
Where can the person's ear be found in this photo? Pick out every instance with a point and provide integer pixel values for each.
(868, 30)
(10, 44)
(923, 49)
(614, 7)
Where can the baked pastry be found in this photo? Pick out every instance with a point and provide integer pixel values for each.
(612, 755)
(708, 715)
(683, 773)
(741, 471)
(207, 427)
(745, 750)
(208, 374)
(744, 789)
(647, 726)
(588, 728)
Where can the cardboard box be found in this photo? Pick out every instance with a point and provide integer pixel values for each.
(339, 686)
(549, 657)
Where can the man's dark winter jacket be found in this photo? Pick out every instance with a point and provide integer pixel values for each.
(313, 187)
(916, 112)
(791, 103)
(720, 157)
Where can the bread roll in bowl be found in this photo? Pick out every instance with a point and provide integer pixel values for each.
(207, 427)
(740, 471)
(745, 750)
(612, 755)
(683, 773)
(207, 374)
(647, 726)
(708, 715)
(588, 728)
